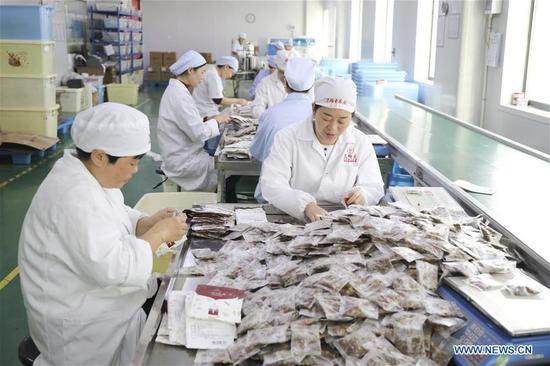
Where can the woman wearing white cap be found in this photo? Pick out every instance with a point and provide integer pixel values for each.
(182, 131)
(85, 257)
(322, 160)
(295, 108)
(237, 47)
(209, 94)
(271, 89)
(265, 72)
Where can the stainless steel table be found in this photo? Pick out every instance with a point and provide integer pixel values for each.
(150, 352)
(438, 149)
(241, 75)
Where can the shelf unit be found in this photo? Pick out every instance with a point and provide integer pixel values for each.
(117, 28)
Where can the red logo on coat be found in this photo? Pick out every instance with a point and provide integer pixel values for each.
(350, 156)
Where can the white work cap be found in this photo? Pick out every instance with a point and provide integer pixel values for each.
(279, 45)
(336, 93)
(228, 60)
(188, 60)
(242, 35)
(300, 73)
(272, 60)
(281, 60)
(115, 128)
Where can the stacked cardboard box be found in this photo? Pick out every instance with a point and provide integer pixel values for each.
(159, 63)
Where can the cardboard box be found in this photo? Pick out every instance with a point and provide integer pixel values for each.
(165, 75)
(27, 139)
(90, 70)
(207, 56)
(155, 58)
(110, 75)
(168, 58)
(154, 75)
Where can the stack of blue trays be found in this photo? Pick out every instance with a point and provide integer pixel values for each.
(364, 72)
(334, 66)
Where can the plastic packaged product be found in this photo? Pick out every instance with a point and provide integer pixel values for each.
(448, 325)
(210, 356)
(408, 333)
(404, 282)
(407, 254)
(427, 275)
(388, 300)
(495, 265)
(353, 344)
(240, 352)
(437, 306)
(484, 282)
(278, 358)
(383, 353)
(305, 340)
(519, 290)
(268, 335)
(358, 308)
(467, 269)
(331, 306)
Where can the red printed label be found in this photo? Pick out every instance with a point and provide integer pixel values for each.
(350, 156)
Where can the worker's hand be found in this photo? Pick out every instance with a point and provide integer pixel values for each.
(313, 212)
(241, 101)
(353, 197)
(162, 214)
(171, 228)
(222, 118)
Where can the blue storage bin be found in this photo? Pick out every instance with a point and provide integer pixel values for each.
(399, 177)
(26, 22)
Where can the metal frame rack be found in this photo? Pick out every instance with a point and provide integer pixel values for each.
(133, 41)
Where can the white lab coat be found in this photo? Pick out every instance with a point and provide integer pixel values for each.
(270, 91)
(84, 274)
(237, 47)
(181, 134)
(210, 88)
(296, 172)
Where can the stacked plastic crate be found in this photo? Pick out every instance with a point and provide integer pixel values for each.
(27, 79)
(366, 75)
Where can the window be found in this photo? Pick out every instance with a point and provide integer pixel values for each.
(383, 30)
(426, 35)
(537, 78)
(355, 30)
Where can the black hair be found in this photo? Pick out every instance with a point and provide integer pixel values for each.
(296, 91)
(317, 106)
(85, 156)
(193, 68)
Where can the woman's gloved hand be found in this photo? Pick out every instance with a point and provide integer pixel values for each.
(313, 212)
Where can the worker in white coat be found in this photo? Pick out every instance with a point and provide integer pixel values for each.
(263, 73)
(85, 258)
(237, 46)
(289, 48)
(323, 160)
(271, 89)
(182, 131)
(299, 78)
(208, 94)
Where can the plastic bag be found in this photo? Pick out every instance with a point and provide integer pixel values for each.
(353, 344)
(427, 275)
(305, 340)
(268, 335)
(210, 356)
(408, 333)
(437, 306)
(358, 308)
